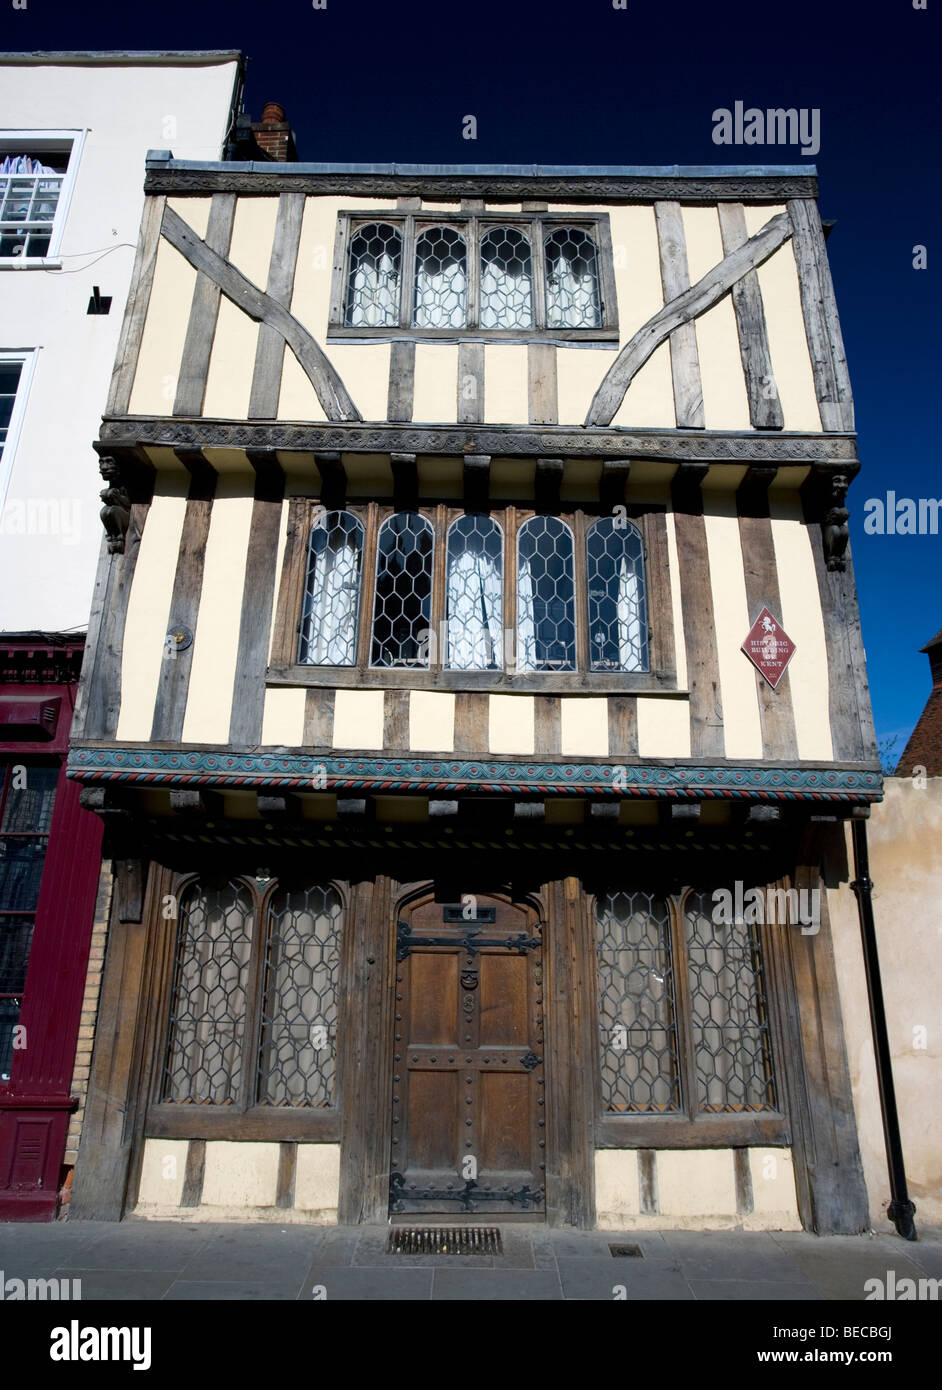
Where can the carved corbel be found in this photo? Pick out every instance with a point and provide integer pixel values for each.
(116, 512)
(834, 525)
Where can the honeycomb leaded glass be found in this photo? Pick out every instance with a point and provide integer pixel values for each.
(298, 1048)
(204, 1059)
(402, 605)
(441, 282)
(331, 604)
(729, 1011)
(506, 279)
(637, 1026)
(474, 594)
(374, 282)
(546, 630)
(572, 280)
(618, 623)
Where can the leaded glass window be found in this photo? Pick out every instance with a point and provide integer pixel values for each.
(27, 796)
(204, 1060)
(374, 283)
(637, 1025)
(546, 630)
(298, 1050)
(332, 591)
(474, 594)
(506, 279)
(441, 279)
(729, 1011)
(572, 280)
(402, 604)
(618, 623)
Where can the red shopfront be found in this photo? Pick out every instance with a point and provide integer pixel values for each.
(50, 860)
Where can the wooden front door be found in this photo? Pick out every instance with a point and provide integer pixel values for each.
(469, 1114)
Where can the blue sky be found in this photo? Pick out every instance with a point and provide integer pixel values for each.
(582, 82)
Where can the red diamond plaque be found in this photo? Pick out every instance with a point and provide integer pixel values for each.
(769, 647)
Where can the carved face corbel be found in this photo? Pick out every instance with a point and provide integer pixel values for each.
(116, 512)
(834, 526)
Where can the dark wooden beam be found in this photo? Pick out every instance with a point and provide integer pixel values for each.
(477, 481)
(333, 479)
(612, 483)
(405, 482)
(686, 485)
(269, 475)
(752, 496)
(549, 477)
(281, 807)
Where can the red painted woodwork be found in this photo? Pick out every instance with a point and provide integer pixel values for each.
(36, 1102)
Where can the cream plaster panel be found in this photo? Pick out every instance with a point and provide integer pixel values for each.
(149, 610)
(168, 313)
(231, 365)
(358, 719)
(584, 728)
(637, 267)
(365, 373)
(435, 397)
(649, 400)
(696, 1182)
(725, 403)
(579, 374)
(283, 719)
(506, 388)
(317, 1179)
(232, 362)
(677, 612)
(617, 1192)
(774, 1199)
(240, 1175)
(511, 722)
(431, 721)
(298, 399)
(216, 640)
(193, 211)
(904, 834)
(663, 727)
(802, 619)
(742, 730)
(163, 1171)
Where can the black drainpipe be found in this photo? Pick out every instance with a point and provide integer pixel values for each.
(901, 1210)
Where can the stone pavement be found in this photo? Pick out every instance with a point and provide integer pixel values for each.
(143, 1260)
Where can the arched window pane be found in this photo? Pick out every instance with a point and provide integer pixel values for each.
(441, 282)
(506, 279)
(298, 1045)
(332, 591)
(728, 1006)
(637, 1022)
(375, 277)
(546, 630)
(618, 621)
(401, 612)
(207, 1013)
(474, 594)
(572, 280)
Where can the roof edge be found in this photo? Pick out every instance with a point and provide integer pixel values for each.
(123, 58)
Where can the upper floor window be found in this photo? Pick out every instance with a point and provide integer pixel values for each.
(11, 369)
(332, 591)
(527, 276)
(618, 621)
(36, 173)
(504, 591)
(402, 601)
(546, 619)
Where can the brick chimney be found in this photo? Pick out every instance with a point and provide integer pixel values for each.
(274, 134)
(933, 650)
(925, 742)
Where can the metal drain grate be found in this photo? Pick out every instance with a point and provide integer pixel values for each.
(444, 1240)
(626, 1251)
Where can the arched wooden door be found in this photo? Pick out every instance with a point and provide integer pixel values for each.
(469, 1114)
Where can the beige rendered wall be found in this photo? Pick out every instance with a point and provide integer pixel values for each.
(905, 839)
(695, 1189)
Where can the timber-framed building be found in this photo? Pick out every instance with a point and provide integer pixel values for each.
(479, 636)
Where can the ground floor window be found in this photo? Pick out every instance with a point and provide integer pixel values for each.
(683, 1013)
(253, 1011)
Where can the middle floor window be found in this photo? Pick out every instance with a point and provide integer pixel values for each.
(440, 588)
